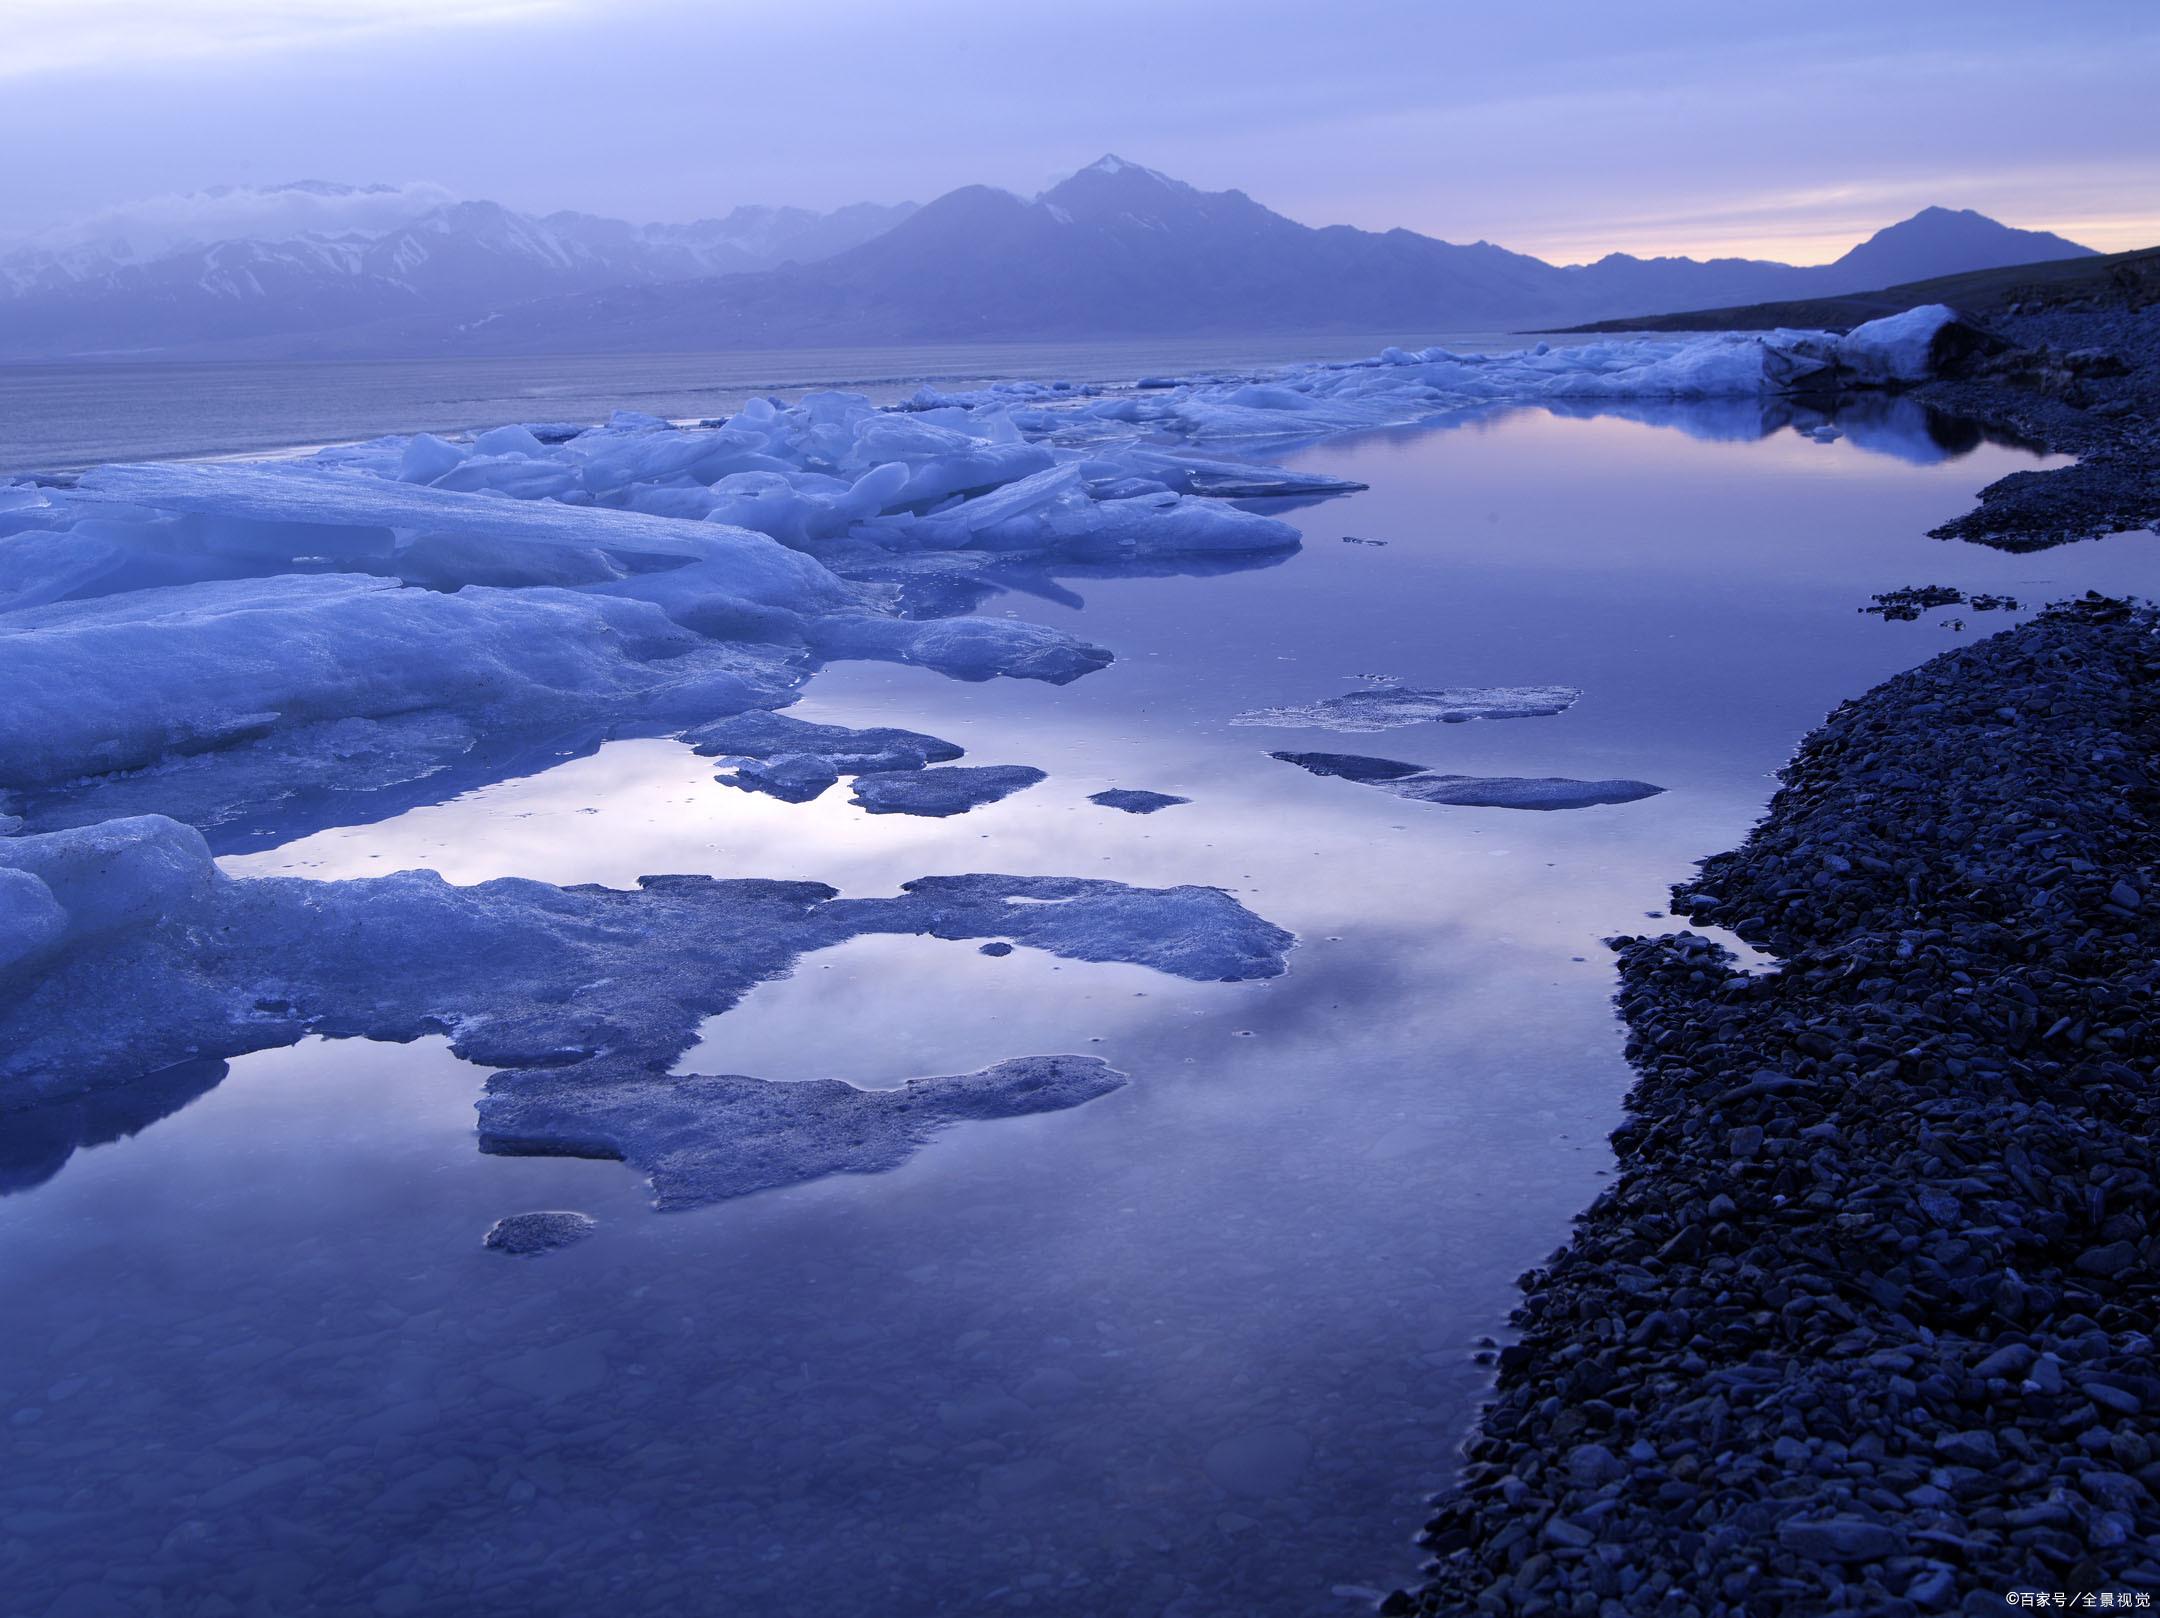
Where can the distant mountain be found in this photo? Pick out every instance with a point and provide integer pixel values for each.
(1120, 250)
(1938, 241)
(1114, 250)
(2133, 276)
(451, 264)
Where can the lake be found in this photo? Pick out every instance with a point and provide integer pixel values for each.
(1200, 1347)
(63, 417)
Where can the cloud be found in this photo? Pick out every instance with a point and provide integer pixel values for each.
(48, 36)
(155, 225)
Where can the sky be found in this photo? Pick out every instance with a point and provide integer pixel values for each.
(1565, 128)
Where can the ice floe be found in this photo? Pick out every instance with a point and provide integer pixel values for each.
(134, 961)
(796, 530)
(962, 648)
(224, 655)
(1136, 801)
(1907, 347)
(1416, 781)
(795, 760)
(124, 681)
(1351, 766)
(1387, 707)
(762, 735)
(702, 1138)
(132, 951)
(1519, 791)
(942, 789)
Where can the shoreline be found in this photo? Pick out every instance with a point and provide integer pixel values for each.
(2083, 379)
(1860, 1324)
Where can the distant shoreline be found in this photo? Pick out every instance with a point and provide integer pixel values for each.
(1977, 292)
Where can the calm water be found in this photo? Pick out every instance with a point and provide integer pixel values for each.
(59, 417)
(1198, 1348)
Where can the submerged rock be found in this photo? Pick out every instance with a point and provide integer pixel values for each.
(1387, 707)
(528, 1234)
(703, 1138)
(948, 789)
(1135, 801)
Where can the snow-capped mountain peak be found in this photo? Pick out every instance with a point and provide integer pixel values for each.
(318, 255)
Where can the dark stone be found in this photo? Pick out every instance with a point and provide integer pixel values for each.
(1135, 801)
(527, 1234)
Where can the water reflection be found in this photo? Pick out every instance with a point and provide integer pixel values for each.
(1892, 424)
(38, 1141)
(1199, 1347)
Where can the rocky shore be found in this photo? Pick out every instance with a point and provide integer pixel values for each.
(1862, 1324)
(2081, 377)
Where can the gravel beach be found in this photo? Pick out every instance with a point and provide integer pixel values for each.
(2083, 378)
(1861, 1326)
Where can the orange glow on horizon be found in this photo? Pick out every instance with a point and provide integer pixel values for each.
(1809, 245)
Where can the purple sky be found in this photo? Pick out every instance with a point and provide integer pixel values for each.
(1566, 128)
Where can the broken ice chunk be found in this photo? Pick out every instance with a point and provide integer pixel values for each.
(964, 648)
(760, 734)
(1350, 766)
(945, 789)
(1387, 707)
(1518, 791)
(162, 957)
(124, 681)
(1469, 791)
(1135, 801)
(703, 1138)
(790, 777)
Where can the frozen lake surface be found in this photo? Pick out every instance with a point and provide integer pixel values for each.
(1199, 1347)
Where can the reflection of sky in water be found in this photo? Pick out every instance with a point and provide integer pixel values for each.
(1198, 1347)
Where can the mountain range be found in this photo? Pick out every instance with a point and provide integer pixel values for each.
(452, 264)
(1114, 250)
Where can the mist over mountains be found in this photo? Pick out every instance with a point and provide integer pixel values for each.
(1115, 250)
